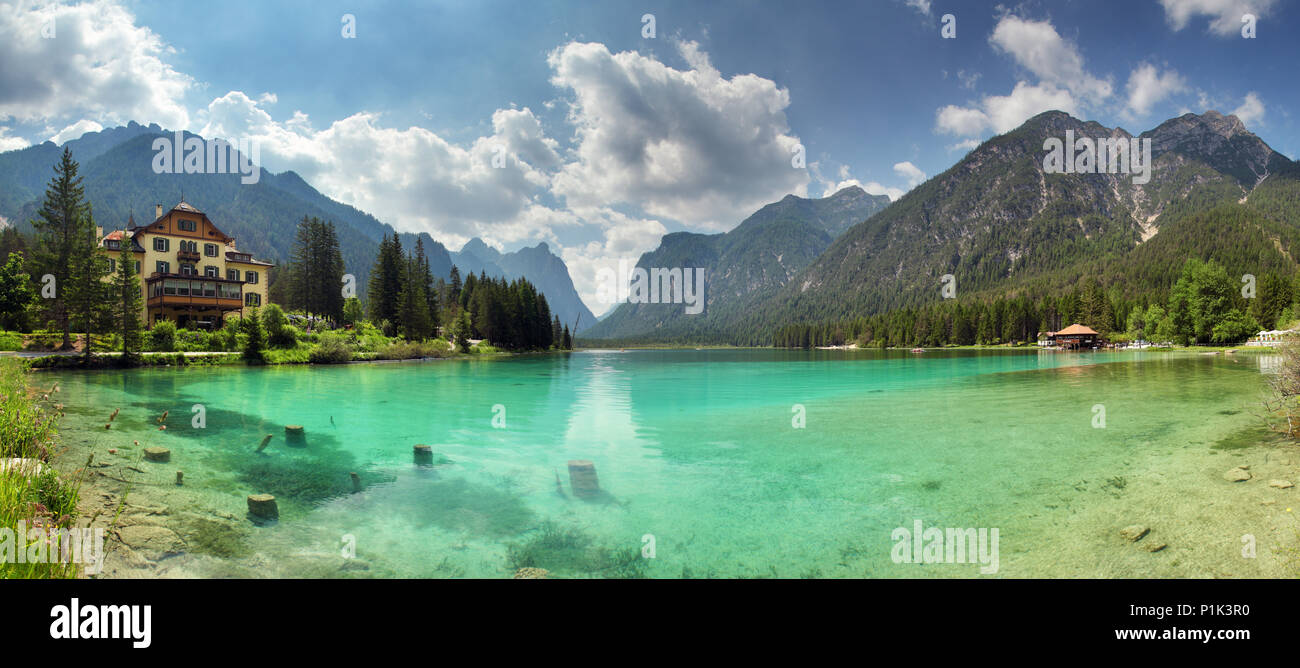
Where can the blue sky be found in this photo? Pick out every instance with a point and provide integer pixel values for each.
(614, 139)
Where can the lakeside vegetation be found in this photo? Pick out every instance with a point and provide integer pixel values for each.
(1203, 307)
(32, 491)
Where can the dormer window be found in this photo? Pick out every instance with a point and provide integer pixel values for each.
(187, 225)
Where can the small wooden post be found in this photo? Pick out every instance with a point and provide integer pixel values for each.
(582, 478)
(263, 505)
(356, 483)
(423, 455)
(180, 478)
(266, 439)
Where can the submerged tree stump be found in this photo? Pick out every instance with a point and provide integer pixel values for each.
(294, 434)
(157, 454)
(423, 455)
(263, 505)
(582, 478)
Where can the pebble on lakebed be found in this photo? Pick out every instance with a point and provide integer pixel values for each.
(1239, 474)
(1133, 533)
(1281, 484)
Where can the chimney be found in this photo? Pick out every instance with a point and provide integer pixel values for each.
(157, 211)
(99, 232)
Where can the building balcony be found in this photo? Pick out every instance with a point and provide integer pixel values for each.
(200, 293)
(187, 256)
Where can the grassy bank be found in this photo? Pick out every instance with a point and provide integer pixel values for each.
(31, 490)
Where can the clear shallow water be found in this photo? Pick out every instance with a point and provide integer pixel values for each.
(697, 449)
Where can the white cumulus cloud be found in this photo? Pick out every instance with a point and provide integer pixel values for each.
(1147, 87)
(86, 61)
(689, 145)
(1251, 110)
(1224, 15)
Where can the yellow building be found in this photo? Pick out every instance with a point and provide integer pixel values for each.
(190, 271)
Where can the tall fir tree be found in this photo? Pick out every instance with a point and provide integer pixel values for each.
(60, 235)
(128, 302)
(86, 294)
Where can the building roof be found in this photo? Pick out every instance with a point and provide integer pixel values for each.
(116, 235)
(1076, 328)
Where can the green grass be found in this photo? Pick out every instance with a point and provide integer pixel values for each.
(11, 341)
(28, 427)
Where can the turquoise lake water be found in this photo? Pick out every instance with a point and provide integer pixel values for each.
(703, 469)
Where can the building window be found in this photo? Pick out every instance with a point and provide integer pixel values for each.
(205, 289)
(250, 277)
(163, 267)
(161, 244)
(228, 290)
(187, 225)
(112, 266)
(232, 274)
(190, 247)
(137, 266)
(210, 250)
(188, 270)
(210, 272)
(252, 299)
(175, 287)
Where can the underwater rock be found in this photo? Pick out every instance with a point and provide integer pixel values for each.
(157, 454)
(423, 455)
(263, 505)
(1281, 484)
(1135, 532)
(530, 573)
(1239, 474)
(1153, 546)
(151, 537)
(582, 478)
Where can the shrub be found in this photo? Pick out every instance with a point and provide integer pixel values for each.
(162, 338)
(405, 350)
(195, 340)
(332, 349)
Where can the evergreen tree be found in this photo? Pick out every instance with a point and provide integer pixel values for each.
(425, 275)
(385, 289)
(16, 293)
(256, 345)
(315, 271)
(414, 311)
(61, 236)
(87, 297)
(128, 302)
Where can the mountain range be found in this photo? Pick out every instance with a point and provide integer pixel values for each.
(119, 181)
(1000, 223)
(749, 262)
